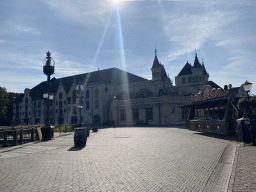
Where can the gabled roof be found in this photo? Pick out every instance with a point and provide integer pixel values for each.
(113, 76)
(186, 70)
(214, 85)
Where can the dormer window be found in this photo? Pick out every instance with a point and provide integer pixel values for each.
(183, 80)
(189, 79)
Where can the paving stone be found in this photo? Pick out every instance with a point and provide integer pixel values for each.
(121, 159)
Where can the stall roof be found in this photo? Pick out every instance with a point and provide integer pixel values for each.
(209, 102)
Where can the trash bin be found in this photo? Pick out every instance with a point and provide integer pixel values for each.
(80, 136)
(243, 130)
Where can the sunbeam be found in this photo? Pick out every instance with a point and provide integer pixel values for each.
(99, 47)
(125, 85)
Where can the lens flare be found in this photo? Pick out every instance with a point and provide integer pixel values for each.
(125, 78)
(99, 47)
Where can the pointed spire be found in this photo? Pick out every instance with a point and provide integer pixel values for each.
(156, 62)
(196, 62)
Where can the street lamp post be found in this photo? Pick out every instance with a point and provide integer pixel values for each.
(79, 92)
(80, 109)
(48, 70)
(247, 88)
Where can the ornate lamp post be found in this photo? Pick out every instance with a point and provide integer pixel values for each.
(79, 92)
(247, 88)
(48, 69)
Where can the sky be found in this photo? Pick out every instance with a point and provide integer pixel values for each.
(87, 35)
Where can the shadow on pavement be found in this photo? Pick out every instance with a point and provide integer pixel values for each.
(218, 136)
(74, 148)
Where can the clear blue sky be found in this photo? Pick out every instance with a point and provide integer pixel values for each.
(86, 35)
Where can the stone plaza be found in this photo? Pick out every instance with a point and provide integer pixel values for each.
(122, 159)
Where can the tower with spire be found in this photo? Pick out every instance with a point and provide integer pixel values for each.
(158, 71)
(192, 77)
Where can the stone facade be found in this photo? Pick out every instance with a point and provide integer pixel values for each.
(113, 96)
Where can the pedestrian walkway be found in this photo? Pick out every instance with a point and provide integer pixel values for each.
(244, 170)
(121, 159)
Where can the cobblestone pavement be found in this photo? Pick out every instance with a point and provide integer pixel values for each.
(245, 169)
(121, 159)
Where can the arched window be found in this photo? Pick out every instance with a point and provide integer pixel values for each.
(26, 101)
(87, 105)
(74, 96)
(97, 104)
(60, 104)
(39, 104)
(87, 93)
(60, 95)
(96, 93)
(34, 104)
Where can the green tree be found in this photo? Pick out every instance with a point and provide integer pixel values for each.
(248, 107)
(4, 102)
(12, 96)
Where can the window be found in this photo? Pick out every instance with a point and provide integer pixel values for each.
(60, 112)
(183, 80)
(39, 113)
(87, 94)
(106, 89)
(189, 79)
(56, 110)
(96, 93)
(87, 105)
(34, 113)
(39, 104)
(196, 79)
(60, 95)
(200, 78)
(26, 101)
(149, 113)
(122, 115)
(64, 102)
(56, 103)
(64, 110)
(74, 96)
(74, 110)
(96, 104)
(60, 104)
(135, 114)
(184, 113)
(157, 74)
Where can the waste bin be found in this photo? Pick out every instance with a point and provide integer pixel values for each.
(243, 130)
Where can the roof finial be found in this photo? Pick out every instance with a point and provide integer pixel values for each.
(202, 61)
(195, 53)
(155, 50)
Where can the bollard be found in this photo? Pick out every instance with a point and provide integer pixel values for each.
(5, 138)
(32, 134)
(15, 137)
(21, 136)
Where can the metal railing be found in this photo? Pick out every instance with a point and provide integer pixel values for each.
(14, 136)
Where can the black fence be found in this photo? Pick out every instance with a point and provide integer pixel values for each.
(15, 136)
